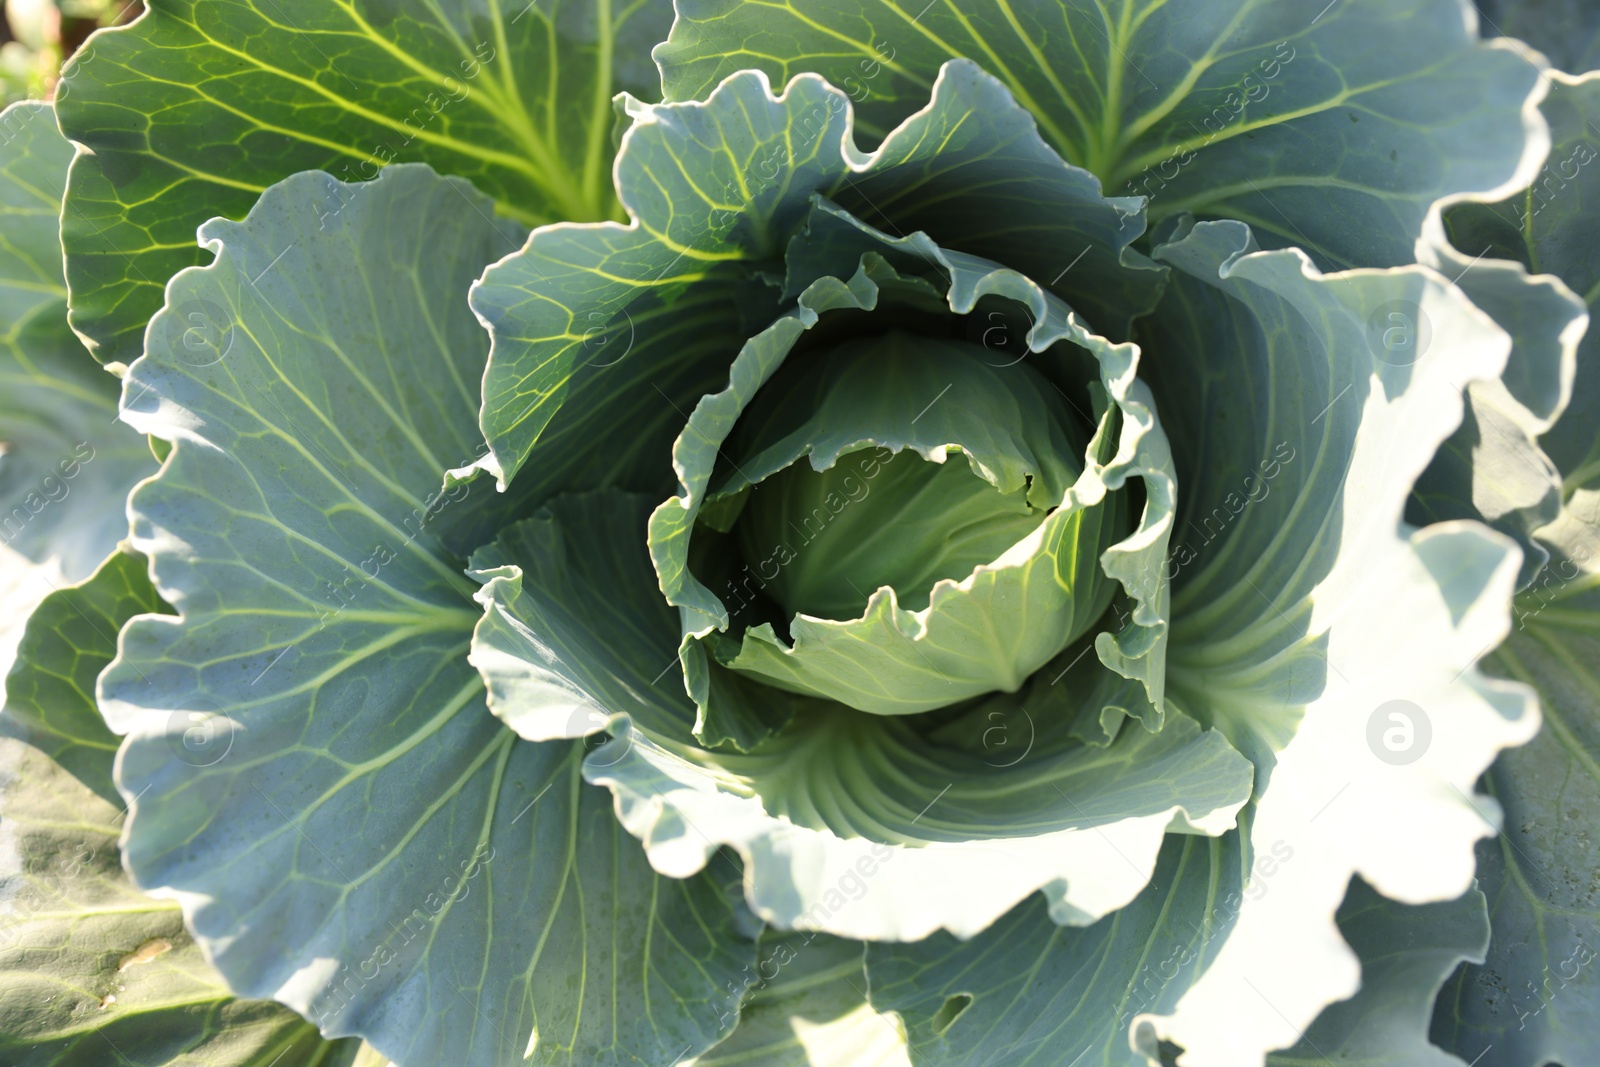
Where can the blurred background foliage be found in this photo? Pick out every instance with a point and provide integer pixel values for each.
(37, 36)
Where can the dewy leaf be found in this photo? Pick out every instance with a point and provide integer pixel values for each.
(1030, 993)
(198, 106)
(1330, 641)
(808, 1008)
(1566, 31)
(360, 838)
(1407, 951)
(593, 325)
(67, 464)
(1333, 131)
(1537, 996)
(91, 969)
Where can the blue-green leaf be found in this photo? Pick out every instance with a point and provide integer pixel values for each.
(1567, 31)
(595, 324)
(1034, 994)
(1536, 998)
(967, 640)
(575, 642)
(573, 622)
(1026, 992)
(360, 838)
(91, 969)
(1332, 130)
(1002, 157)
(861, 826)
(808, 1008)
(1407, 951)
(1520, 260)
(67, 463)
(1330, 641)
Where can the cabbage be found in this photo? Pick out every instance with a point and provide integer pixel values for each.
(1041, 533)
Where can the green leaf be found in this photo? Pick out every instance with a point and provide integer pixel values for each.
(363, 840)
(934, 843)
(573, 621)
(1333, 131)
(1330, 641)
(67, 464)
(984, 470)
(1031, 993)
(1517, 259)
(1549, 228)
(1407, 951)
(829, 246)
(91, 969)
(50, 698)
(808, 1008)
(946, 521)
(1492, 468)
(593, 325)
(197, 107)
(1537, 996)
(1565, 31)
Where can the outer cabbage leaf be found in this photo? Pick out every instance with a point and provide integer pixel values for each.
(365, 841)
(1406, 953)
(808, 1008)
(92, 970)
(1545, 230)
(594, 324)
(947, 849)
(1333, 131)
(576, 640)
(67, 464)
(1029, 992)
(1536, 997)
(1567, 31)
(194, 109)
(1304, 607)
(1493, 467)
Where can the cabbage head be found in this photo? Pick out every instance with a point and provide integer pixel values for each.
(1049, 533)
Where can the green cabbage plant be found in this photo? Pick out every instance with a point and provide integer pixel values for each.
(851, 533)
